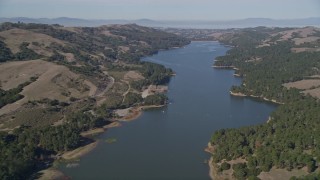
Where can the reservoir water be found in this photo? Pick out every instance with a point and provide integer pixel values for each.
(168, 143)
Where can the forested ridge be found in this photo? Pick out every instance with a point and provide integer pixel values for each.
(29, 139)
(290, 139)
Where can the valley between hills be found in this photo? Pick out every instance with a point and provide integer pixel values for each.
(60, 86)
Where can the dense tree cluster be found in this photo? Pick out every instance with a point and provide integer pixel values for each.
(131, 99)
(26, 53)
(283, 142)
(155, 73)
(12, 95)
(291, 138)
(156, 99)
(5, 52)
(22, 151)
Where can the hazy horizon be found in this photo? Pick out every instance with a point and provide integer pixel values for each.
(169, 20)
(173, 10)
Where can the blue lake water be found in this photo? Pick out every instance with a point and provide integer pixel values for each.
(168, 143)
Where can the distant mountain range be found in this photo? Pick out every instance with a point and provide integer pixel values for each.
(242, 23)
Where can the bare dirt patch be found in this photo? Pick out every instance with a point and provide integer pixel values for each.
(69, 57)
(122, 112)
(124, 48)
(153, 89)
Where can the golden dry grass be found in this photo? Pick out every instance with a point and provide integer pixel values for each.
(14, 37)
(282, 174)
(54, 82)
(302, 32)
(69, 56)
(299, 41)
(133, 75)
(303, 84)
(51, 174)
(298, 50)
(313, 92)
(123, 48)
(310, 86)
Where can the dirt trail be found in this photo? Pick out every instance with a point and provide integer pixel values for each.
(110, 84)
(128, 90)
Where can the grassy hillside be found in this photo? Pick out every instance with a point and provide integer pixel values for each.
(269, 59)
(56, 82)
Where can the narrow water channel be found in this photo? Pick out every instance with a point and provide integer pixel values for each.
(168, 143)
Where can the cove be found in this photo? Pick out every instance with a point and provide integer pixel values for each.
(169, 142)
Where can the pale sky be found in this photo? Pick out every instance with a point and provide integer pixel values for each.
(161, 9)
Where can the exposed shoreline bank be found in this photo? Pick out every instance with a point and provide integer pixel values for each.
(252, 96)
(73, 155)
(136, 112)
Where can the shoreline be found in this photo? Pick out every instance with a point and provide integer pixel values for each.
(224, 67)
(258, 97)
(79, 152)
(213, 172)
(136, 112)
(73, 155)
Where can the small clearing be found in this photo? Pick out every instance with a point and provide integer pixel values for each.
(298, 50)
(133, 75)
(282, 174)
(303, 84)
(153, 89)
(123, 48)
(122, 112)
(69, 57)
(313, 92)
(310, 86)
